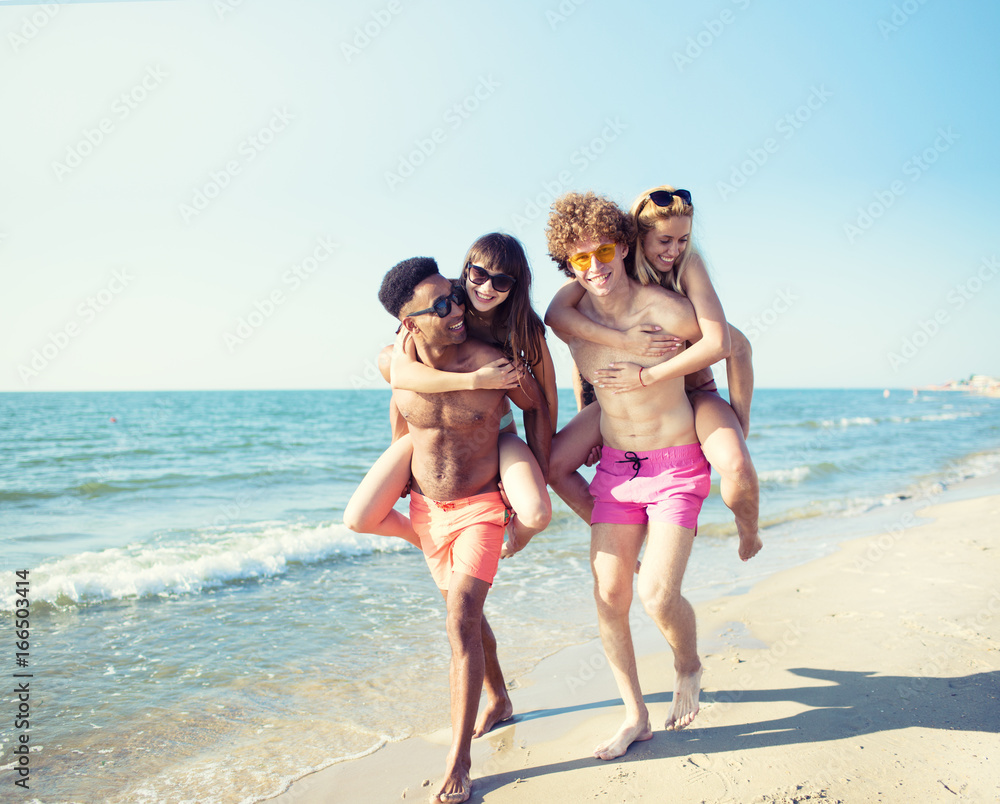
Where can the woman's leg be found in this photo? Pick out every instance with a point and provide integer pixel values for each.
(739, 372)
(524, 487)
(370, 509)
(721, 438)
(571, 447)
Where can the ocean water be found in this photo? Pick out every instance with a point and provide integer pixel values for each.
(204, 628)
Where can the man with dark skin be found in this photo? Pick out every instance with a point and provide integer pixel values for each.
(455, 504)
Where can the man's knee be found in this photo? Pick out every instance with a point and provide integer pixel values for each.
(657, 596)
(465, 627)
(612, 596)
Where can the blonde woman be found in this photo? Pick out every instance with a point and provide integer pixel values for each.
(662, 255)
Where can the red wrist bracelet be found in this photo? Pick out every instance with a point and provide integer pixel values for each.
(640, 378)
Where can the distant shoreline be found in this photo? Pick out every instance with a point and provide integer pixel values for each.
(979, 384)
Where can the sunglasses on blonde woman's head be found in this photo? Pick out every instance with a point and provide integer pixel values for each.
(479, 276)
(441, 307)
(664, 198)
(605, 254)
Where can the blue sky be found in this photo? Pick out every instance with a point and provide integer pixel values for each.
(207, 194)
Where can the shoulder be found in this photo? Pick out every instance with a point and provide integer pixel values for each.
(696, 261)
(655, 297)
(695, 275)
(671, 310)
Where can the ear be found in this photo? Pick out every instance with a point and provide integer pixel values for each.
(624, 250)
(410, 325)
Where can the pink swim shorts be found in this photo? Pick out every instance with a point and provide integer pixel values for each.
(460, 535)
(660, 485)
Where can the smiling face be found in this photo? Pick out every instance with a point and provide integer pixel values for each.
(666, 241)
(599, 278)
(431, 328)
(484, 297)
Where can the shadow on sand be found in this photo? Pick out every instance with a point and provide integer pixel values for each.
(849, 704)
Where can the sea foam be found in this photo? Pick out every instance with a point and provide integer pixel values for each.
(211, 558)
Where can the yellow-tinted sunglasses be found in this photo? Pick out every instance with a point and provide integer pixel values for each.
(605, 254)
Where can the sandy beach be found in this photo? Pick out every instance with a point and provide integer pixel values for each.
(872, 674)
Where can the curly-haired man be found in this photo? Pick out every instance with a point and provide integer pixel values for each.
(652, 478)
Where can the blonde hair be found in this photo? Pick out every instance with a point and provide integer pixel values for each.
(645, 213)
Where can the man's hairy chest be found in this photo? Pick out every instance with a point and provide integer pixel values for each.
(452, 410)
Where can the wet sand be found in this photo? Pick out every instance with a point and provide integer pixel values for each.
(872, 674)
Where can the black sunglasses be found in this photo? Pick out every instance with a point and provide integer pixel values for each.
(442, 306)
(501, 282)
(664, 198)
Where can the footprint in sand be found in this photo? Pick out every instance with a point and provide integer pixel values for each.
(702, 782)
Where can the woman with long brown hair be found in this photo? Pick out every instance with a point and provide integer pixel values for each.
(496, 281)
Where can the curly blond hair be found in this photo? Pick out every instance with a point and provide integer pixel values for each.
(580, 217)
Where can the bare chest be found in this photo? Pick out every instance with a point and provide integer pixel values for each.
(454, 411)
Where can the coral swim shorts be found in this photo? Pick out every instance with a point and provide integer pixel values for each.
(660, 485)
(460, 535)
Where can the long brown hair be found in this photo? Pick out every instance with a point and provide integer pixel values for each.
(514, 325)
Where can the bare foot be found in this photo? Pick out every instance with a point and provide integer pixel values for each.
(685, 704)
(750, 542)
(627, 734)
(495, 712)
(454, 790)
